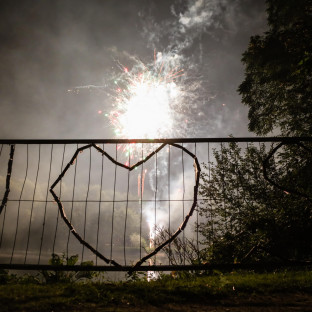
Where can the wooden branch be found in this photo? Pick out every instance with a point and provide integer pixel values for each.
(282, 188)
(8, 179)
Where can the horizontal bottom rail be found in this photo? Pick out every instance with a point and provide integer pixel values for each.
(156, 268)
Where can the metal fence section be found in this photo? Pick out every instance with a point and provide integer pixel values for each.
(120, 205)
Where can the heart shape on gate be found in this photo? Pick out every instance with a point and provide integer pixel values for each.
(130, 168)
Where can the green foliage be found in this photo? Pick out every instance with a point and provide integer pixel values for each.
(6, 277)
(246, 218)
(66, 276)
(136, 276)
(278, 73)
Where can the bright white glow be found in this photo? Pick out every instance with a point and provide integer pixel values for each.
(151, 275)
(152, 234)
(146, 112)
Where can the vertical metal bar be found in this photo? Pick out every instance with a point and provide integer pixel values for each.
(45, 206)
(72, 205)
(223, 188)
(100, 202)
(19, 204)
(208, 199)
(197, 220)
(238, 198)
(113, 212)
(183, 201)
(169, 206)
(32, 205)
(248, 178)
(155, 212)
(127, 205)
(264, 181)
(141, 203)
(58, 211)
(86, 205)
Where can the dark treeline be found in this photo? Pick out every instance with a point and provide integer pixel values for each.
(247, 217)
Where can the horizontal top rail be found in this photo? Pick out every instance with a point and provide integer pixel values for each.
(171, 140)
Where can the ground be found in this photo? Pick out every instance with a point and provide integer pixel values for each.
(235, 291)
(284, 302)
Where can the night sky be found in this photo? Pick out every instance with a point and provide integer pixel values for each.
(50, 47)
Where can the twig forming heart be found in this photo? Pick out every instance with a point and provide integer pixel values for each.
(130, 168)
(8, 179)
(283, 188)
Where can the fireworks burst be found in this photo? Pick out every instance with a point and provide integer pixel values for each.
(148, 101)
(145, 100)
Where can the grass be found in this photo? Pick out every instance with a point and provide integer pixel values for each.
(74, 296)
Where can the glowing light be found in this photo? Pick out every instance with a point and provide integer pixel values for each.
(147, 112)
(145, 100)
(151, 275)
